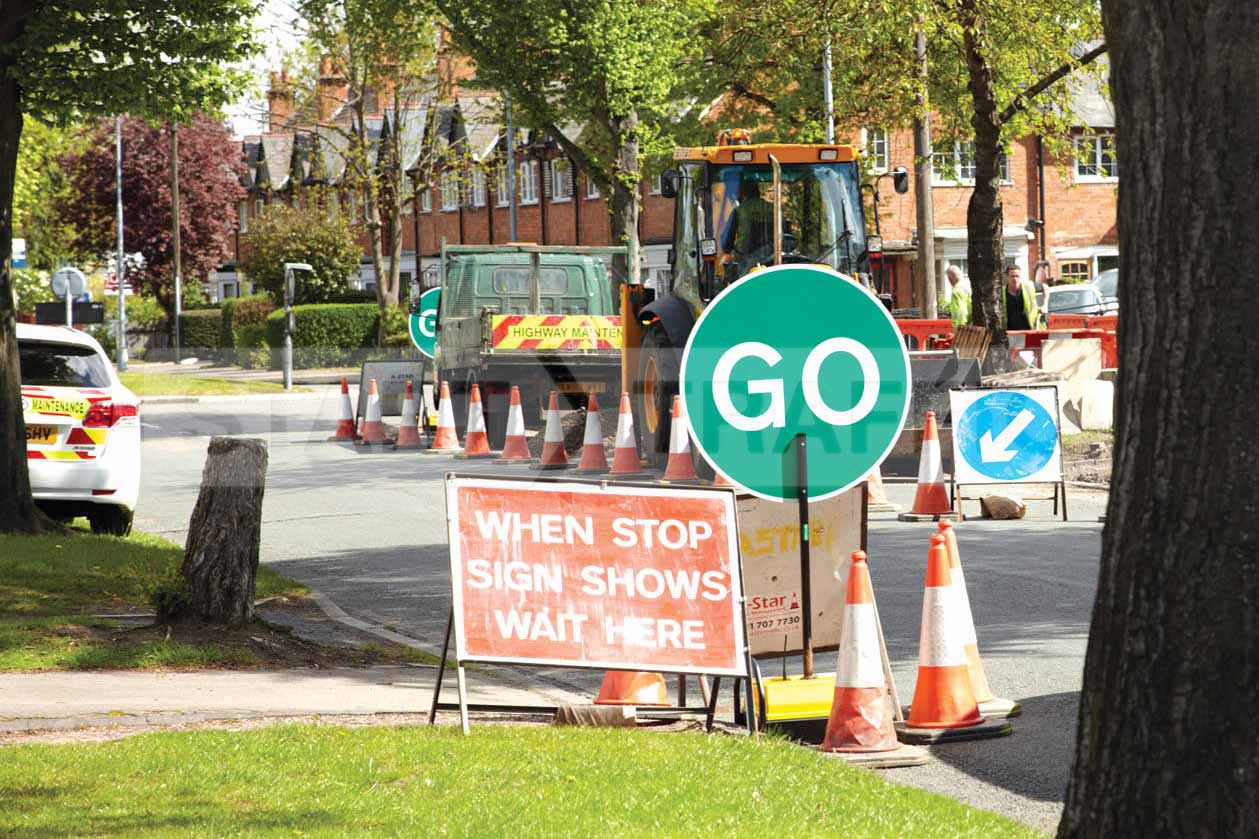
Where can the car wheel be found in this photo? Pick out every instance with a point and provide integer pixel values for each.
(658, 369)
(111, 521)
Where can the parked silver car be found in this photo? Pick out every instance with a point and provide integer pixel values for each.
(1107, 285)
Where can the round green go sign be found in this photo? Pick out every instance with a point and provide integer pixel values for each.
(795, 349)
(423, 322)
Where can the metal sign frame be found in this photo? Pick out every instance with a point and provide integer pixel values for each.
(418, 383)
(956, 489)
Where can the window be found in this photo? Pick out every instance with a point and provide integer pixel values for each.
(242, 212)
(502, 190)
(527, 181)
(656, 184)
(450, 191)
(259, 207)
(592, 188)
(515, 280)
(476, 187)
(48, 364)
(561, 180)
(877, 149)
(1095, 158)
(956, 164)
(426, 200)
(1073, 272)
(334, 206)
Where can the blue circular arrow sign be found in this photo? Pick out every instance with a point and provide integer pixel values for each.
(1006, 436)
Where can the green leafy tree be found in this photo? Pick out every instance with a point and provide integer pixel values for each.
(40, 188)
(300, 234)
(617, 70)
(67, 59)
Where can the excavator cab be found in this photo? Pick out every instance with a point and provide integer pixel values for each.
(739, 207)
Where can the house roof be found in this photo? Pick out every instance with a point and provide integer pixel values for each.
(276, 163)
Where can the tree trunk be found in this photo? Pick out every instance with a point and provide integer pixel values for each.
(1168, 741)
(984, 220)
(221, 559)
(625, 177)
(17, 511)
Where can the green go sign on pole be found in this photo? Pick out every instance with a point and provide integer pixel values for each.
(423, 322)
(789, 356)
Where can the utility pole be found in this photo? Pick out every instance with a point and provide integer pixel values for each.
(174, 197)
(922, 187)
(511, 166)
(827, 93)
(122, 263)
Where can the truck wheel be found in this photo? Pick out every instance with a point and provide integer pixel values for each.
(658, 368)
(495, 406)
(111, 521)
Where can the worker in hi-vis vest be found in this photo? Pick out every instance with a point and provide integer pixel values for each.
(959, 297)
(1018, 302)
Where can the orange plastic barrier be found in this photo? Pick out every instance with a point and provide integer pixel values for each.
(1068, 322)
(1110, 323)
(926, 334)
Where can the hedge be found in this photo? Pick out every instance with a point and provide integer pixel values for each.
(202, 329)
(239, 312)
(328, 334)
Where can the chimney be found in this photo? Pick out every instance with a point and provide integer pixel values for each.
(333, 89)
(279, 101)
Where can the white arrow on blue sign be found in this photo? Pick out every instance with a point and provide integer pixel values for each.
(1006, 436)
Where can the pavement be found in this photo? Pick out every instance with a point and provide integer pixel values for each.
(367, 530)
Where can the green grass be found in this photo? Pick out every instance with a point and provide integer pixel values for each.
(1074, 441)
(49, 585)
(510, 782)
(175, 384)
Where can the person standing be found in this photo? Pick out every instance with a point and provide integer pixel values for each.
(959, 297)
(1018, 302)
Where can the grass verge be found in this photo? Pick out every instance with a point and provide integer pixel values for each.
(50, 586)
(518, 782)
(174, 384)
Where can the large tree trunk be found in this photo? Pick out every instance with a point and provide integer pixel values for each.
(1168, 742)
(221, 558)
(625, 177)
(17, 510)
(984, 219)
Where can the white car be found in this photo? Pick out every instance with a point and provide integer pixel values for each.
(82, 429)
(1075, 299)
(1107, 285)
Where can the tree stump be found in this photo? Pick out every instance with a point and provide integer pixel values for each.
(221, 558)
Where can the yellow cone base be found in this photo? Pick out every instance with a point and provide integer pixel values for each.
(998, 708)
(897, 758)
(949, 516)
(481, 456)
(985, 730)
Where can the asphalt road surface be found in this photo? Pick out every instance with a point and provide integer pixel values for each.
(368, 530)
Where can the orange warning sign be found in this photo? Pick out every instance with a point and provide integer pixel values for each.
(584, 575)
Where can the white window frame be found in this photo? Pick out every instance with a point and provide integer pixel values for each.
(657, 185)
(1075, 276)
(502, 189)
(242, 211)
(938, 179)
(449, 183)
(561, 180)
(592, 188)
(878, 149)
(426, 200)
(1097, 158)
(260, 207)
(476, 186)
(527, 182)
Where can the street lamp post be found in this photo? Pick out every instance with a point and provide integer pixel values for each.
(121, 271)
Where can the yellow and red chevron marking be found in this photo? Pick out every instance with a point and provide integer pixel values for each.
(35, 454)
(556, 332)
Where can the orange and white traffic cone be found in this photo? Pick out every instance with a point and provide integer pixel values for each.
(931, 502)
(680, 466)
(373, 426)
(632, 687)
(876, 495)
(553, 454)
(345, 424)
(515, 447)
(446, 440)
(625, 461)
(944, 706)
(989, 705)
(409, 429)
(593, 458)
(476, 442)
(861, 716)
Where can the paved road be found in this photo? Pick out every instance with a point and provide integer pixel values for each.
(368, 531)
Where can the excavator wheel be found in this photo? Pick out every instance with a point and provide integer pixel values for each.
(659, 364)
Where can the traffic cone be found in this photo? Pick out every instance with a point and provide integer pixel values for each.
(876, 495)
(409, 429)
(989, 705)
(680, 466)
(345, 425)
(944, 706)
(446, 440)
(515, 447)
(373, 427)
(861, 716)
(625, 462)
(932, 499)
(593, 458)
(553, 454)
(632, 687)
(476, 443)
